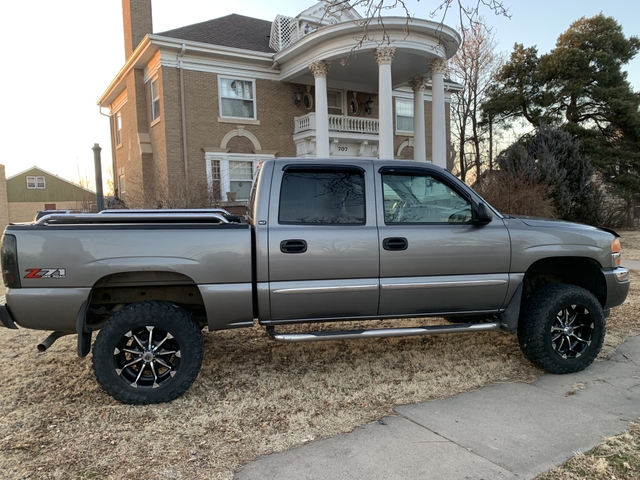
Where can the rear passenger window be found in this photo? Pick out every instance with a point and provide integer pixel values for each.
(322, 197)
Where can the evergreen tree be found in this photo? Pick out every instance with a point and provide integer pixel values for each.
(580, 86)
(551, 157)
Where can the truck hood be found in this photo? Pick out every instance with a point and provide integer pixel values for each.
(539, 222)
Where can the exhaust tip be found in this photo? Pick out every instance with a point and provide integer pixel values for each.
(47, 342)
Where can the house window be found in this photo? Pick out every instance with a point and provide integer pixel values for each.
(240, 179)
(237, 98)
(334, 102)
(118, 128)
(216, 187)
(121, 184)
(155, 99)
(36, 182)
(404, 115)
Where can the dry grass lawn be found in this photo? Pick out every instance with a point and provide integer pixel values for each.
(616, 458)
(252, 397)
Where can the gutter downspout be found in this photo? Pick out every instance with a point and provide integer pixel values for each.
(184, 116)
(113, 150)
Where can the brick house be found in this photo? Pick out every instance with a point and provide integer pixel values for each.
(195, 109)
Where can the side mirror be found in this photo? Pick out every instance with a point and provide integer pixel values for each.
(481, 214)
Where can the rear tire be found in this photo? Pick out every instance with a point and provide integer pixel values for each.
(148, 352)
(562, 328)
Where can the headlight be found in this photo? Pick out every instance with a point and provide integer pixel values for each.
(615, 252)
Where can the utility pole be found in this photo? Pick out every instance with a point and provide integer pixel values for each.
(98, 166)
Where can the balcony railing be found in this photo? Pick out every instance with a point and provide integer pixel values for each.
(339, 123)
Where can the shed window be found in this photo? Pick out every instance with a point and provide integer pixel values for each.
(36, 182)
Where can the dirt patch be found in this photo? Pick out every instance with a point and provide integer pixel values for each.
(630, 241)
(252, 397)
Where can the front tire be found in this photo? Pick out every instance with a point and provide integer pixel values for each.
(148, 352)
(562, 328)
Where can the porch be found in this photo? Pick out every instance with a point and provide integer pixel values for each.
(348, 136)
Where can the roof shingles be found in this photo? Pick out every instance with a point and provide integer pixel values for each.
(234, 31)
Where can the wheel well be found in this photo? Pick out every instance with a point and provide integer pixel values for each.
(582, 272)
(113, 292)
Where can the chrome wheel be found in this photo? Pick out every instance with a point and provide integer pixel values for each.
(148, 352)
(147, 357)
(572, 332)
(562, 328)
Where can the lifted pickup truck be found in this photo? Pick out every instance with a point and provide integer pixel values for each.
(325, 241)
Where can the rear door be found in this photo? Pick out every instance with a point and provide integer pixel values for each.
(323, 242)
(433, 259)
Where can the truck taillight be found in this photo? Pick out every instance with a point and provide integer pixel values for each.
(9, 255)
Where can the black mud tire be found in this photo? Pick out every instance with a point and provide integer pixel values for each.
(562, 328)
(160, 337)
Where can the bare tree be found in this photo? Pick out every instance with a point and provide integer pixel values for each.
(374, 11)
(180, 194)
(473, 66)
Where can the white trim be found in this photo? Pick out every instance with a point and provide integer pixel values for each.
(152, 67)
(119, 102)
(240, 120)
(407, 143)
(224, 159)
(240, 132)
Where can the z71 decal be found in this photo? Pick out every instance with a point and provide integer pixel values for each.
(46, 273)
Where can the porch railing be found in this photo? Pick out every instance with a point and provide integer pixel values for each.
(339, 123)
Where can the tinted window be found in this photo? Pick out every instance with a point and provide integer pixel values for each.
(422, 199)
(322, 197)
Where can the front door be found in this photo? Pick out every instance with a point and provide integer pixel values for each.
(323, 242)
(433, 259)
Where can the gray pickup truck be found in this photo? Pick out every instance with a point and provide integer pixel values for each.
(325, 241)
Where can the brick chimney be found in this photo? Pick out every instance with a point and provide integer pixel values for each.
(137, 23)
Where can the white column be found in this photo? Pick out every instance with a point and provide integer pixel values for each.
(384, 57)
(438, 121)
(418, 85)
(320, 70)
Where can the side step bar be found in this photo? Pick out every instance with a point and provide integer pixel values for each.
(381, 332)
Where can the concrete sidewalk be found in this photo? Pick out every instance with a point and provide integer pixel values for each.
(503, 431)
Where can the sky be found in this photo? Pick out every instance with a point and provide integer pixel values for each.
(60, 56)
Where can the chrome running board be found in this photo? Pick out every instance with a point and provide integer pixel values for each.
(381, 332)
